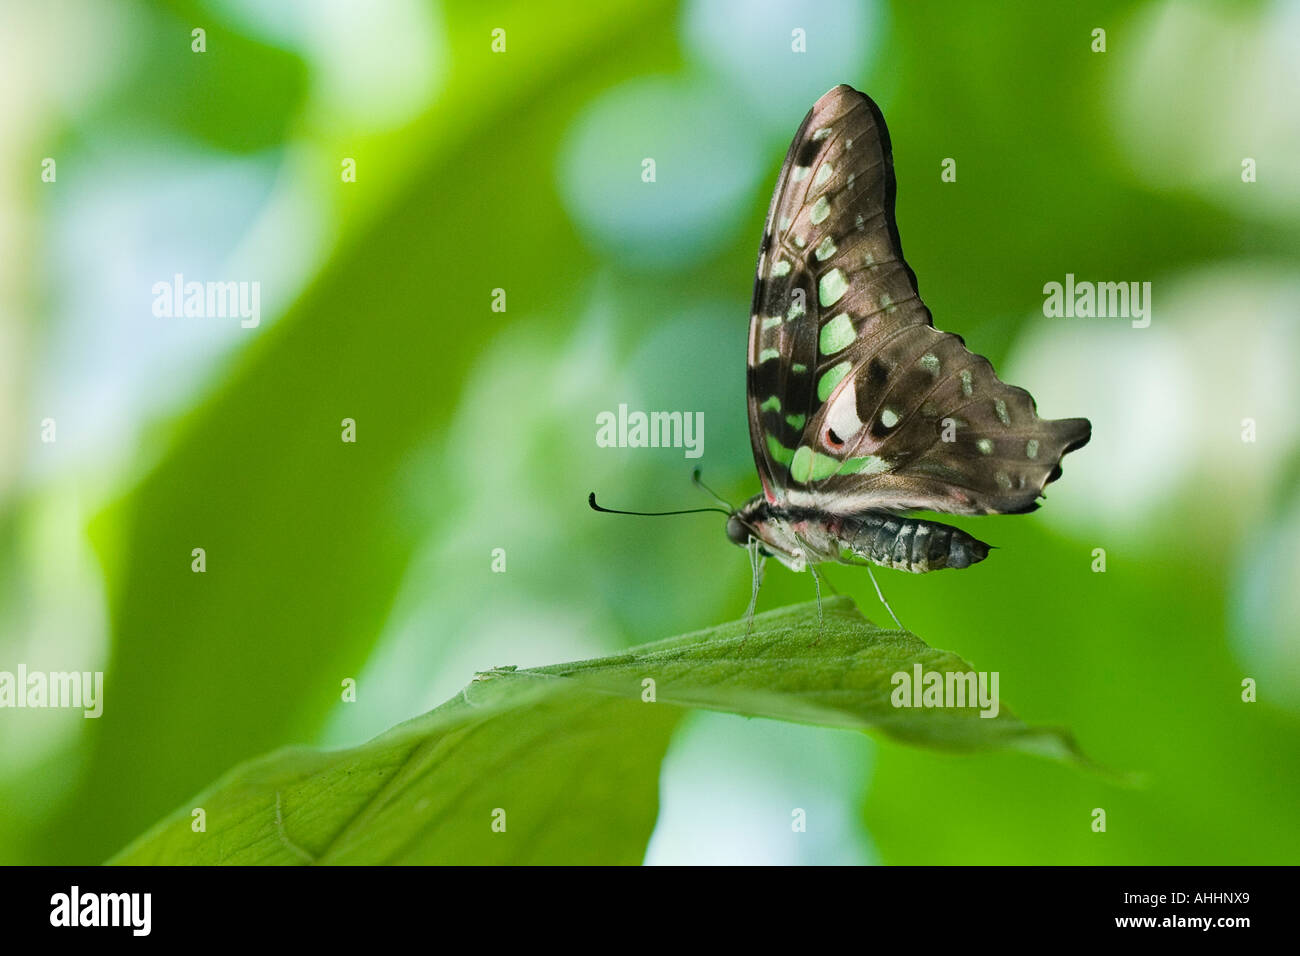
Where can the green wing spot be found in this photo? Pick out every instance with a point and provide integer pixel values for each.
(867, 465)
(778, 451)
(767, 354)
(826, 384)
(771, 322)
(820, 210)
(798, 368)
(832, 287)
(796, 421)
(824, 466)
(801, 466)
(837, 335)
(772, 404)
(809, 465)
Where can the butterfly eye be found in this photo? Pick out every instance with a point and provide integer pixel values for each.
(833, 440)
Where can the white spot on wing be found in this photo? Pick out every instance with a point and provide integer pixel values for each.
(842, 416)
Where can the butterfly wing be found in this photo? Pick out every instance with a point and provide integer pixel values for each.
(856, 401)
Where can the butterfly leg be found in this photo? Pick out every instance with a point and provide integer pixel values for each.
(756, 568)
(817, 582)
(880, 594)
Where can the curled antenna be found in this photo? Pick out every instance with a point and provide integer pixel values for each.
(695, 477)
(591, 500)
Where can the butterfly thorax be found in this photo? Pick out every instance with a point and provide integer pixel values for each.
(797, 536)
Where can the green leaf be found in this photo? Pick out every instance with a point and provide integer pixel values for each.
(570, 752)
(575, 774)
(837, 675)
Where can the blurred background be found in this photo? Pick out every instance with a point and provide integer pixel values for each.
(521, 171)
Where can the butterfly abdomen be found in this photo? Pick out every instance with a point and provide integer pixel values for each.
(911, 544)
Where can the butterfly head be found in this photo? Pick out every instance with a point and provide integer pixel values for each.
(737, 531)
(750, 522)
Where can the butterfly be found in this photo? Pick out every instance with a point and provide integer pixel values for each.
(860, 410)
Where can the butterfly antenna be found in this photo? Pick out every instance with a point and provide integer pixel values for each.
(591, 500)
(880, 594)
(695, 478)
